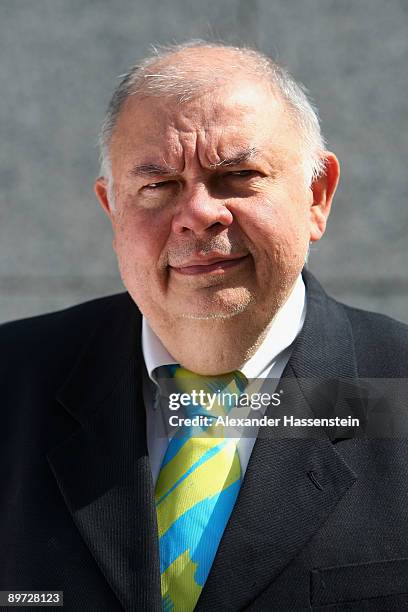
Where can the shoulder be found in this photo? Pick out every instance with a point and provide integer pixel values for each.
(379, 339)
(377, 343)
(380, 343)
(53, 335)
(368, 325)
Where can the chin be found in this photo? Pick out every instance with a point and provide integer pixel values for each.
(223, 305)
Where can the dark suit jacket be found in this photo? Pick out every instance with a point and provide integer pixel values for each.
(318, 524)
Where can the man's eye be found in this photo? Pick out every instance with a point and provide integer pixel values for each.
(158, 185)
(242, 173)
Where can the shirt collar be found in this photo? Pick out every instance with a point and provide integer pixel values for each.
(283, 329)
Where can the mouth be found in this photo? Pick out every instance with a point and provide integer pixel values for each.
(219, 265)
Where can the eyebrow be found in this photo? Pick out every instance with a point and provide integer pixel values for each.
(239, 158)
(152, 170)
(166, 170)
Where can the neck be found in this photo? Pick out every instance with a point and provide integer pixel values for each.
(215, 346)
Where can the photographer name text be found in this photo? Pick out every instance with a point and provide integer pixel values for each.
(285, 421)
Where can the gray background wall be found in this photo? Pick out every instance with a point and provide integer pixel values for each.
(59, 60)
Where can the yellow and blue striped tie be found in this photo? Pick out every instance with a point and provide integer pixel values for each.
(196, 489)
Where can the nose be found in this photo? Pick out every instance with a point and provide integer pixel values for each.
(198, 212)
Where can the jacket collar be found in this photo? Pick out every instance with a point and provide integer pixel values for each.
(110, 346)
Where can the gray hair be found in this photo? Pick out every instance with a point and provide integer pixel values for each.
(161, 75)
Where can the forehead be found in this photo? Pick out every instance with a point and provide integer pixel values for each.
(215, 124)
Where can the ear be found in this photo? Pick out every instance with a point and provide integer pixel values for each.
(323, 189)
(101, 192)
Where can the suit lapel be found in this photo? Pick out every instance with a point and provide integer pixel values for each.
(103, 469)
(291, 486)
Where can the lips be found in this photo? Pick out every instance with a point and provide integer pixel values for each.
(209, 265)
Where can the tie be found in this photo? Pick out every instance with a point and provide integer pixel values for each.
(196, 489)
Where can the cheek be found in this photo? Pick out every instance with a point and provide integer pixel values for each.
(274, 224)
(139, 240)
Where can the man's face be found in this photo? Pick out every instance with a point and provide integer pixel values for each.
(213, 211)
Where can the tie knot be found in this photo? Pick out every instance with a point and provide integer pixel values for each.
(209, 394)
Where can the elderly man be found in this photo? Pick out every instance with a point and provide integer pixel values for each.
(216, 180)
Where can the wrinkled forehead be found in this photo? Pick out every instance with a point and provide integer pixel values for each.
(216, 123)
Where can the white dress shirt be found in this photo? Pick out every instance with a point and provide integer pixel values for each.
(268, 361)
